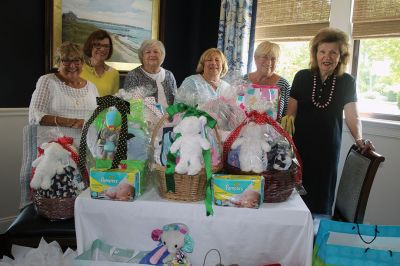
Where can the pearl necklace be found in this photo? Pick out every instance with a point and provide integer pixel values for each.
(319, 104)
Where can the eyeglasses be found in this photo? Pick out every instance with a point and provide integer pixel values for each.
(70, 62)
(98, 46)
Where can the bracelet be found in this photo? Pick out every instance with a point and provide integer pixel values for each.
(73, 122)
(55, 121)
(363, 141)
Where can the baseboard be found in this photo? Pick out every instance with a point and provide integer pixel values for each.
(5, 223)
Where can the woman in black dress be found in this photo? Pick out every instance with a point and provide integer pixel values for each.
(317, 100)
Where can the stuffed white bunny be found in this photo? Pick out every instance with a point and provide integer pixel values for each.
(52, 162)
(190, 145)
(252, 144)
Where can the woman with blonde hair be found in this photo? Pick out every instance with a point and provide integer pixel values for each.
(318, 98)
(266, 57)
(207, 83)
(64, 98)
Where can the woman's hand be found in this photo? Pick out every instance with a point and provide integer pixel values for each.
(365, 145)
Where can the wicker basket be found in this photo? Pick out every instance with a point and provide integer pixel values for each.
(278, 185)
(188, 188)
(54, 208)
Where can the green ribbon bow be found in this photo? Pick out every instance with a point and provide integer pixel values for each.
(171, 157)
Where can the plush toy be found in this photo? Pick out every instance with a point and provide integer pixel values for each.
(174, 243)
(123, 191)
(52, 162)
(190, 145)
(108, 136)
(252, 144)
(283, 156)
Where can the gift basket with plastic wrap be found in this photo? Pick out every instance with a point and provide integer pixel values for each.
(56, 181)
(186, 150)
(117, 137)
(260, 146)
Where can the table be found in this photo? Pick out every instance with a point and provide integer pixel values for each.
(275, 233)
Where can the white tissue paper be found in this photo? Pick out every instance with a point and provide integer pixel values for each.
(44, 255)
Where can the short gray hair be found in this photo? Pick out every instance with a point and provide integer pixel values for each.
(148, 43)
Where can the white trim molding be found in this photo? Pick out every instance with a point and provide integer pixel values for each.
(14, 112)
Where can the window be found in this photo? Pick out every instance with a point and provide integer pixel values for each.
(375, 57)
(378, 77)
(376, 35)
(291, 24)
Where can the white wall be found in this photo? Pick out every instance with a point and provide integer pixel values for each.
(12, 121)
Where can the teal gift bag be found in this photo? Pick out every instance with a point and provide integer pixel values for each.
(340, 243)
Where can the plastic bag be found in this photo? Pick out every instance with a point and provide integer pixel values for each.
(340, 243)
(46, 254)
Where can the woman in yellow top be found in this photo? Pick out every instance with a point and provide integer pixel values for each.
(98, 48)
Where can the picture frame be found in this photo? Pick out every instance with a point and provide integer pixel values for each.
(128, 25)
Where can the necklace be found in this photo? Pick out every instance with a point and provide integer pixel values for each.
(76, 84)
(318, 102)
(102, 70)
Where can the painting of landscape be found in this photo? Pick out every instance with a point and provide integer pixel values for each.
(129, 22)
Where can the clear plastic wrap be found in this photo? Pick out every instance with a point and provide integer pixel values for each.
(260, 146)
(103, 139)
(56, 180)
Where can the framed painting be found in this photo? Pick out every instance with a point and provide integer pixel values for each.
(129, 22)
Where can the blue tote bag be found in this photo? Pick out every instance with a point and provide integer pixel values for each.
(340, 243)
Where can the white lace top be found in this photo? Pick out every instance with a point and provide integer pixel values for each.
(54, 97)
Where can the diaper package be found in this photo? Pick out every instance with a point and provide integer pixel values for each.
(115, 184)
(246, 191)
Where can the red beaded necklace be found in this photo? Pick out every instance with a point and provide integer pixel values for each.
(319, 104)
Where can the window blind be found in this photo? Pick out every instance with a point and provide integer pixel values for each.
(284, 20)
(376, 18)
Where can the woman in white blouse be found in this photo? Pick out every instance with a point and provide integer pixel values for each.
(64, 98)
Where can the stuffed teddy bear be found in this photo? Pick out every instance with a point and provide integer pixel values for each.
(174, 243)
(52, 162)
(253, 144)
(190, 145)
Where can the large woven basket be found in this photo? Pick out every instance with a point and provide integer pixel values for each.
(188, 188)
(278, 185)
(54, 208)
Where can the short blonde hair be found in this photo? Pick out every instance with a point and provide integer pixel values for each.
(207, 54)
(149, 43)
(330, 35)
(68, 51)
(267, 48)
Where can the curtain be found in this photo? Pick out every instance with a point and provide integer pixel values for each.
(376, 18)
(291, 20)
(236, 33)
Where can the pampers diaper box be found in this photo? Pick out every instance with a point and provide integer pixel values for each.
(114, 184)
(246, 191)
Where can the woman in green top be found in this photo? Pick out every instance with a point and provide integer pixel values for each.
(98, 48)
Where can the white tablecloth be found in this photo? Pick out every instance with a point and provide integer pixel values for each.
(275, 233)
